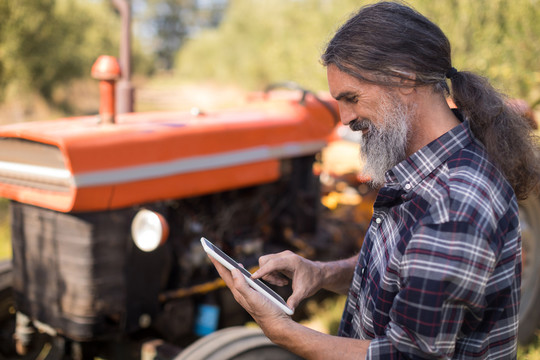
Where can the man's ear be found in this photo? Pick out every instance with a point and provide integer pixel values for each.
(407, 83)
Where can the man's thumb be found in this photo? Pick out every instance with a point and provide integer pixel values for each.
(293, 301)
(239, 281)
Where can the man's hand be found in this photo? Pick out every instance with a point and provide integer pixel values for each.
(306, 275)
(263, 311)
(277, 325)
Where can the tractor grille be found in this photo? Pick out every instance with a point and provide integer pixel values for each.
(69, 269)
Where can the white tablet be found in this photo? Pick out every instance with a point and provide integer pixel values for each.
(256, 284)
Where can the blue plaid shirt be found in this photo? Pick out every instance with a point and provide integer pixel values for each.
(439, 271)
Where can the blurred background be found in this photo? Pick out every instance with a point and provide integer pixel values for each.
(209, 53)
(184, 50)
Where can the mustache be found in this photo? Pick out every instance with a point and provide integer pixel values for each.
(361, 124)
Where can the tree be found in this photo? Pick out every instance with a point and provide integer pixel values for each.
(260, 42)
(173, 21)
(496, 38)
(47, 43)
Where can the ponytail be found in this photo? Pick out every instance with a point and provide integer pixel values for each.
(504, 131)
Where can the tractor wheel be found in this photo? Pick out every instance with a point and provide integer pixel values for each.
(529, 312)
(235, 343)
(41, 346)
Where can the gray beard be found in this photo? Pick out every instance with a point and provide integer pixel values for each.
(383, 147)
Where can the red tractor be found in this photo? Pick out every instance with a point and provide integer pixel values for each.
(107, 212)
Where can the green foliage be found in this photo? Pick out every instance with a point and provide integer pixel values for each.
(47, 43)
(260, 42)
(169, 23)
(495, 38)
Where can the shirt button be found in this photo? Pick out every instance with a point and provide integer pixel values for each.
(378, 220)
(408, 186)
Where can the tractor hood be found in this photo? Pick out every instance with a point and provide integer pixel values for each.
(80, 164)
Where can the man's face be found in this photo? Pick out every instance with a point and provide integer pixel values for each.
(382, 117)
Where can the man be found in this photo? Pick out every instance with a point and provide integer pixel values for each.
(438, 275)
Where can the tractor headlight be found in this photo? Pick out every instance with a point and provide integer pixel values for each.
(149, 230)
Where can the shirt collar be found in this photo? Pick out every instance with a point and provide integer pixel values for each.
(413, 170)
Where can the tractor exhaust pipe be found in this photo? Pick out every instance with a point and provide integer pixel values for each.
(107, 71)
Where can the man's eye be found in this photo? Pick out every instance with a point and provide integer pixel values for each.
(352, 99)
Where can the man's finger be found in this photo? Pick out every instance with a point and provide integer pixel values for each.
(239, 281)
(274, 265)
(241, 290)
(276, 279)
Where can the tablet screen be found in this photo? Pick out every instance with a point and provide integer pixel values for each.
(244, 271)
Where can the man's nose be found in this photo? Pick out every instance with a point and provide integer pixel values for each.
(346, 115)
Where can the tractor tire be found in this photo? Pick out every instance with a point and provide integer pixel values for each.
(529, 312)
(235, 343)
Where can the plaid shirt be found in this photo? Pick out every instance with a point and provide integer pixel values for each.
(438, 275)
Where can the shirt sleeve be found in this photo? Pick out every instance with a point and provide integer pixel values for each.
(444, 272)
